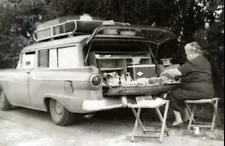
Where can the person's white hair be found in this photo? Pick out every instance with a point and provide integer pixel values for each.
(194, 47)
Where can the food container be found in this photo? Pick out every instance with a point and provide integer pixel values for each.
(141, 71)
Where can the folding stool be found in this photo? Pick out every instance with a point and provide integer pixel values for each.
(139, 122)
(213, 102)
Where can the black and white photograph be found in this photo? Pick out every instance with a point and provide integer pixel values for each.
(112, 73)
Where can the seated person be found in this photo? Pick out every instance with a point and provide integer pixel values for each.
(196, 81)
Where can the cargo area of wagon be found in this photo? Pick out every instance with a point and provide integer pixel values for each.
(126, 61)
(126, 69)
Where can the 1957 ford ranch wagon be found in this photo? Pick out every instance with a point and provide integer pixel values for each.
(83, 66)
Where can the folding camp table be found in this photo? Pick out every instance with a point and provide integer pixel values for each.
(151, 90)
(139, 122)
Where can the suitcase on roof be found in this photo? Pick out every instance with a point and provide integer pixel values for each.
(64, 26)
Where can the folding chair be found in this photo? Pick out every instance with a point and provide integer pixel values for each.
(139, 122)
(213, 102)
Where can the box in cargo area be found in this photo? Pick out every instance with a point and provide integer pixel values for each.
(142, 71)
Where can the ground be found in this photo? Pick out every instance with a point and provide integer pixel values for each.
(23, 127)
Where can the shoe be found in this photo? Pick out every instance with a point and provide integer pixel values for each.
(180, 124)
(164, 96)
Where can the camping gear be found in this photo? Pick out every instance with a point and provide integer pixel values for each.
(141, 71)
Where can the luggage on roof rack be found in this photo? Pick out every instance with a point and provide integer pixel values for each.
(67, 26)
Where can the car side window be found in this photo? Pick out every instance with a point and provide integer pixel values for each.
(47, 58)
(43, 58)
(28, 59)
(67, 57)
(70, 57)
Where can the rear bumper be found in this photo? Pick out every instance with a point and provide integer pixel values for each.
(76, 105)
(104, 104)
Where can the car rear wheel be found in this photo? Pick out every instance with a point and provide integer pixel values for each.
(4, 103)
(59, 114)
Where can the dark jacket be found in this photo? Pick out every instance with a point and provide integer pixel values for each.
(197, 78)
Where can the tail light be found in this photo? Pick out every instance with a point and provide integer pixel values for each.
(95, 80)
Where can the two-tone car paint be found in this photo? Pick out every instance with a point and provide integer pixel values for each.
(32, 87)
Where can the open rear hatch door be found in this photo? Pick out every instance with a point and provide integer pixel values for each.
(154, 35)
(129, 34)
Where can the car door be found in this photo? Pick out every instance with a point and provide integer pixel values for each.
(19, 85)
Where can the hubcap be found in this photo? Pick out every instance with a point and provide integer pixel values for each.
(58, 108)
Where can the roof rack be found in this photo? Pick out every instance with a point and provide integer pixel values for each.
(66, 28)
(57, 29)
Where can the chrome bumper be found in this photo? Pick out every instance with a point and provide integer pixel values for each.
(104, 104)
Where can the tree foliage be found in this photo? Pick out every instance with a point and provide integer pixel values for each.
(201, 20)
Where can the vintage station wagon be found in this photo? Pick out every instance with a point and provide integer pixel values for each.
(73, 68)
